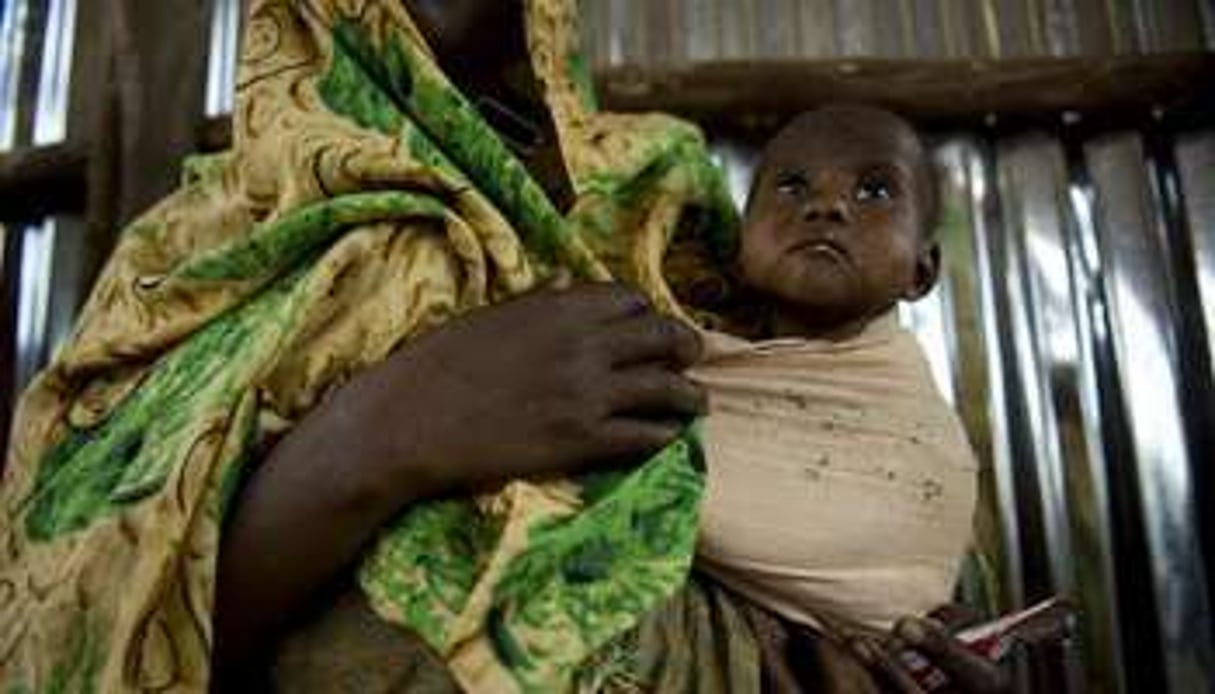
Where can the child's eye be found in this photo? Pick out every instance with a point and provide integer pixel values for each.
(791, 184)
(874, 188)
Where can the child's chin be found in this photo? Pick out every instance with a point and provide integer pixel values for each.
(819, 293)
(820, 309)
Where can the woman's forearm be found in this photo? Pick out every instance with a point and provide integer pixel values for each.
(461, 408)
(299, 521)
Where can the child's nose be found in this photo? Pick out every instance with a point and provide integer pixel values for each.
(829, 207)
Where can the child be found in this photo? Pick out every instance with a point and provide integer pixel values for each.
(841, 485)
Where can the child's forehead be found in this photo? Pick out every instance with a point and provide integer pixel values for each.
(845, 136)
(842, 148)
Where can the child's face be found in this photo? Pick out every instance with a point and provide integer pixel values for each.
(833, 227)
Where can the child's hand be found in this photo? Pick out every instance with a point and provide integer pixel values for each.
(968, 672)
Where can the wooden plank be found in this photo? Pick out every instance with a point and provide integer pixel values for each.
(35, 182)
(10, 279)
(160, 49)
(31, 64)
(96, 112)
(961, 92)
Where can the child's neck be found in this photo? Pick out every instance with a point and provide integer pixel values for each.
(786, 321)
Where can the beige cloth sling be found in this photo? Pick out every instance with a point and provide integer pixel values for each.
(841, 485)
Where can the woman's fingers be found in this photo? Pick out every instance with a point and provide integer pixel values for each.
(606, 301)
(651, 337)
(967, 671)
(654, 392)
(625, 440)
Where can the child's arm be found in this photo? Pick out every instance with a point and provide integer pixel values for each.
(540, 386)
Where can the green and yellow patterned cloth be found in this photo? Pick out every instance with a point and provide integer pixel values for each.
(363, 202)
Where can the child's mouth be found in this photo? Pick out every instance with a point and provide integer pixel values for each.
(821, 247)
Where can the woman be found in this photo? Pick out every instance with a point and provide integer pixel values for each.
(347, 442)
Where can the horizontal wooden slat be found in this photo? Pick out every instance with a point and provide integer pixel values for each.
(37, 181)
(934, 92)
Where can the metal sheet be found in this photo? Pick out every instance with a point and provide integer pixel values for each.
(1136, 278)
(1086, 461)
(662, 24)
(738, 160)
(977, 171)
(957, 31)
(1059, 26)
(33, 300)
(1058, 372)
(1015, 20)
(55, 80)
(67, 281)
(855, 28)
(1196, 167)
(816, 28)
(1034, 269)
(1124, 27)
(776, 28)
(744, 29)
(926, 19)
(931, 321)
(737, 29)
(1207, 9)
(1168, 25)
(221, 61)
(1094, 28)
(1178, 25)
(702, 25)
(12, 53)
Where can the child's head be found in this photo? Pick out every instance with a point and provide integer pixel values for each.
(839, 223)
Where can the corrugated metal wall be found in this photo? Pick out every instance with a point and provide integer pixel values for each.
(677, 31)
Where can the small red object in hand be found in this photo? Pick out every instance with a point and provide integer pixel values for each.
(1050, 620)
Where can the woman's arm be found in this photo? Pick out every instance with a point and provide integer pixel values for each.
(543, 385)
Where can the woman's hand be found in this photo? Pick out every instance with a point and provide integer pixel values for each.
(967, 671)
(547, 384)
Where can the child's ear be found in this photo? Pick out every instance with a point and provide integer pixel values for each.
(927, 272)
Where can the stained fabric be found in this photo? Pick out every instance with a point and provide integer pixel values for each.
(364, 202)
(841, 485)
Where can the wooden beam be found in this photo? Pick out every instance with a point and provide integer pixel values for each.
(215, 134)
(160, 49)
(35, 182)
(10, 280)
(933, 92)
(94, 118)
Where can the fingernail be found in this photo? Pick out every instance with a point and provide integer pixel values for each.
(912, 632)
